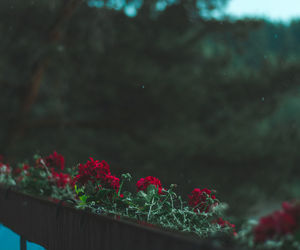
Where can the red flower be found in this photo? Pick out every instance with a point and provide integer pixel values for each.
(198, 199)
(143, 184)
(92, 171)
(24, 169)
(277, 224)
(224, 223)
(112, 182)
(292, 208)
(97, 171)
(4, 168)
(55, 161)
(61, 179)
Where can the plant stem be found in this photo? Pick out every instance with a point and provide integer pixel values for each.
(150, 209)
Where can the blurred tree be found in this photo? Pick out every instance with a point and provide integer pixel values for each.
(169, 92)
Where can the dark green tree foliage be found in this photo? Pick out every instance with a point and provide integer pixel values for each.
(168, 92)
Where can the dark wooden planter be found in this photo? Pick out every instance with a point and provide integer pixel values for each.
(62, 227)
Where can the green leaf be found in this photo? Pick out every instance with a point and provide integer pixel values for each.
(127, 195)
(126, 176)
(83, 198)
(36, 156)
(152, 190)
(143, 195)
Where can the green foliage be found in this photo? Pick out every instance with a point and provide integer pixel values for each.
(166, 210)
(152, 205)
(39, 180)
(6, 179)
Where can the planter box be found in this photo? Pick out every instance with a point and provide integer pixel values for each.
(63, 227)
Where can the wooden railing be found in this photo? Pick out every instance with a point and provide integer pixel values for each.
(56, 226)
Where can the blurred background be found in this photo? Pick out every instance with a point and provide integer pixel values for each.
(201, 93)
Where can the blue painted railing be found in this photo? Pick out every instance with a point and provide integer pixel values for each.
(11, 241)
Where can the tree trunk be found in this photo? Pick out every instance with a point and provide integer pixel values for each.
(17, 128)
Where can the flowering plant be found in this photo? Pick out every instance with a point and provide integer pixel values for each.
(45, 177)
(5, 172)
(152, 204)
(144, 183)
(278, 230)
(202, 200)
(92, 186)
(94, 183)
